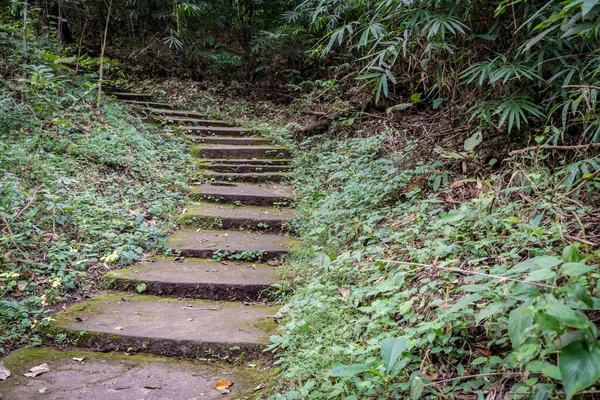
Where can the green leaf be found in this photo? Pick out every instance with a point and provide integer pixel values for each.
(416, 388)
(415, 97)
(518, 322)
(542, 274)
(587, 6)
(541, 391)
(551, 371)
(576, 269)
(579, 366)
(391, 349)
(141, 287)
(571, 253)
(473, 141)
(348, 370)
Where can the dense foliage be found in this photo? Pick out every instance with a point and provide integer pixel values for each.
(411, 285)
(81, 188)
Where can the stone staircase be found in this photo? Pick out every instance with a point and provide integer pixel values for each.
(210, 299)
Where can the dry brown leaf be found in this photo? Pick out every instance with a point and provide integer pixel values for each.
(223, 384)
(119, 328)
(4, 372)
(343, 291)
(22, 286)
(37, 370)
(43, 390)
(49, 237)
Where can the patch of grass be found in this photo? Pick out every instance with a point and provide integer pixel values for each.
(82, 190)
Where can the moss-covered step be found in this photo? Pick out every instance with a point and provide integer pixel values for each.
(242, 194)
(176, 113)
(142, 103)
(227, 216)
(196, 278)
(216, 130)
(229, 244)
(241, 168)
(193, 121)
(231, 140)
(83, 375)
(245, 161)
(166, 326)
(234, 152)
(131, 96)
(251, 177)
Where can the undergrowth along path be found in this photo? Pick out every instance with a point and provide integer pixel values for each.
(208, 297)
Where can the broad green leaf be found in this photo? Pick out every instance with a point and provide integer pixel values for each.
(473, 141)
(452, 217)
(576, 269)
(579, 367)
(571, 253)
(541, 391)
(518, 321)
(416, 388)
(391, 349)
(542, 274)
(348, 370)
(546, 261)
(587, 6)
(551, 371)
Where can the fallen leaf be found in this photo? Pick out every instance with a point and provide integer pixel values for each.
(37, 370)
(223, 384)
(22, 286)
(273, 263)
(224, 263)
(49, 237)
(225, 391)
(80, 319)
(189, 319)
(78, 358)
(259, 387)
(343, 291)
(43, 390)
(119, 328)
(4, 372)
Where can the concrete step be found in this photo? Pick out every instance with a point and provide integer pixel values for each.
(226, 216)
(248, 161)
(238, 193)
(176, 113)
(229, 140)
(165, 326)
(196, 278)
(242, 168)
(230, 151)
(251, 177)
(131, 96)
(194, 121)
(148, 104)
(216, 130)
(233, 245)
(124, 376)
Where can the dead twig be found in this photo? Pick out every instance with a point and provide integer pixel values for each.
(462, 271)
(575, 147)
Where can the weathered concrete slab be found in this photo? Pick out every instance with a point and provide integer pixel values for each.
(116, 376)
(226, 216)
(243, 168)
(252, 177)
(229, 140)
(167, 326)
(239, 193)
(141, 103)
(196, 278)
(235, 152)
(176, 113)
(247, 161)
(195, 121)
(215, 130)
(204, 244)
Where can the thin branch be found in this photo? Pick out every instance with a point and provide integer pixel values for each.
(582, 87)
(472, 376)
(577, 147)
(461, 271)
(102, 54)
